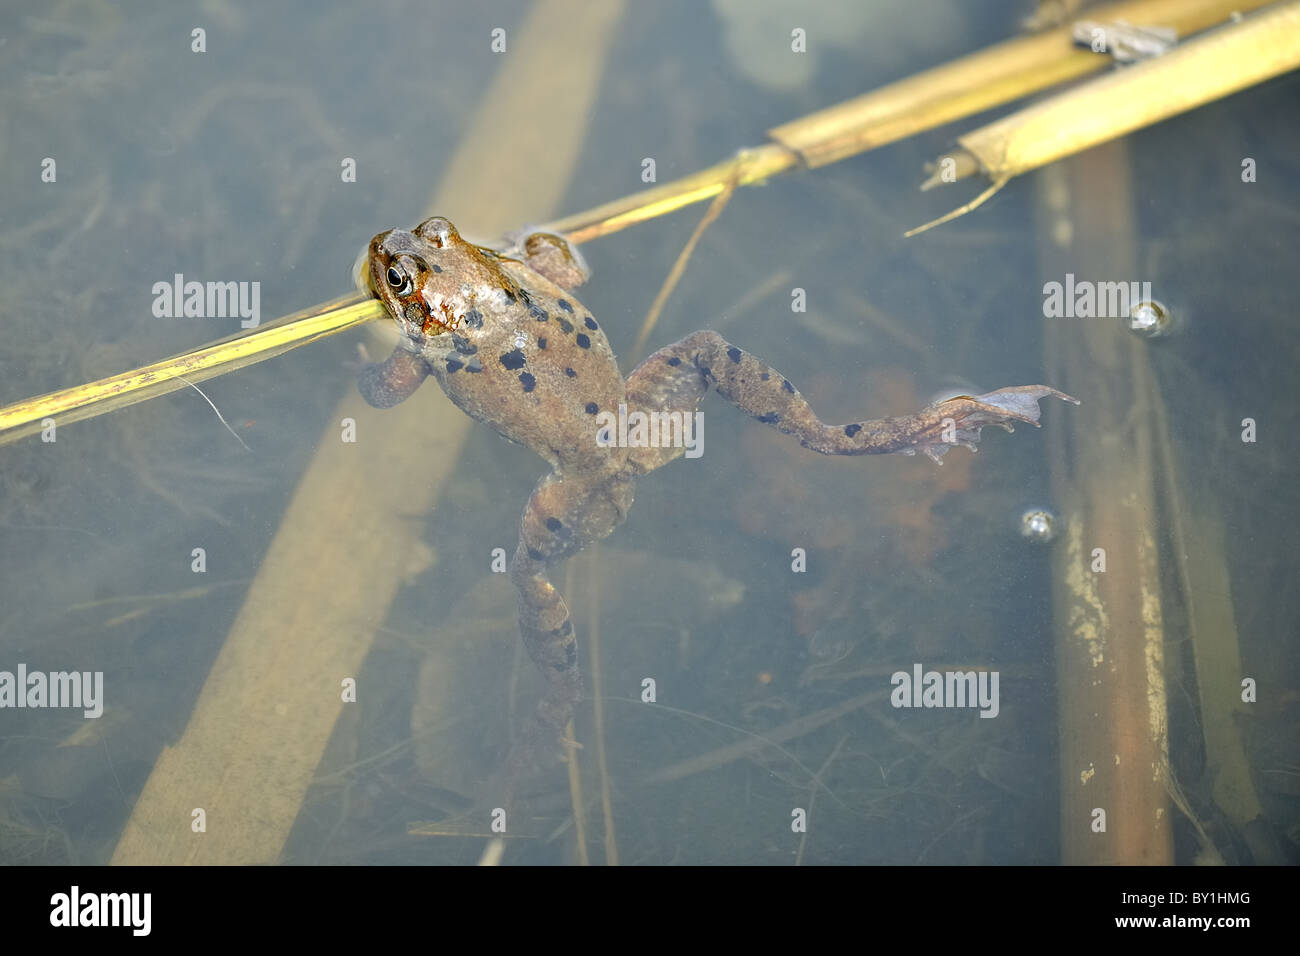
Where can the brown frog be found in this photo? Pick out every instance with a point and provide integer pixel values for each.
(514, 349)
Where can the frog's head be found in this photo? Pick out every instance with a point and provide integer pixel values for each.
(430, 279)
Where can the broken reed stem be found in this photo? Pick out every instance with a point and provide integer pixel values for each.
(595, 587)
(679, 267)
(753, 743)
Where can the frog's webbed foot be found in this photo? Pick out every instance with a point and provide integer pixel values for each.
(957, 421)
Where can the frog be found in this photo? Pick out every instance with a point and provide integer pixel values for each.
(510, 344)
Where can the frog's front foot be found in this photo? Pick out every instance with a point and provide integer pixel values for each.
(384, 384)
(957, 421)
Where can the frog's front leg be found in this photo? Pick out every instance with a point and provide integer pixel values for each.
(552, 256)
(677, 377)
(384, 384)
(563, 516)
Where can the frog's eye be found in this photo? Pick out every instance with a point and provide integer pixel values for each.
(398, 280)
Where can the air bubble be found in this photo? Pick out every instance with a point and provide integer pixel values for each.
(1038, 525)
(1150, 319)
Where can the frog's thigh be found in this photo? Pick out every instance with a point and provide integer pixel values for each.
(670, 381)
(563, 516)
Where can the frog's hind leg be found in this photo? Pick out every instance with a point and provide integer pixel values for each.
(676, 378)
(562, 517)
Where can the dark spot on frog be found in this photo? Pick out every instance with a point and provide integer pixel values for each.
(571, 373)
(765, 376)
(535, 554)
(514, 359)
(454, 365)
(463, 345)
(770, 418)
(538, 313)
(554, 524)
(566, 325)
(733, 353)
(583, 341)
(674, 361)
(541, 343)
(785, 383)
(706, 372)
(474, 319)
(590, 323)
(852, 430)
(473, 365)
(528, 381)
(436, 268)
(592, 408)
(564, 304)
(525, 297)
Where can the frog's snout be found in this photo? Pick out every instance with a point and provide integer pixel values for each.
(363, 268)
(373, 265)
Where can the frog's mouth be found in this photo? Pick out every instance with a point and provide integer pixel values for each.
(375, 266)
